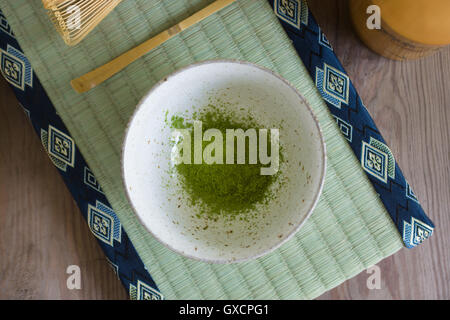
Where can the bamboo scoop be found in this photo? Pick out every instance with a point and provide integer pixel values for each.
(97, 76)
(74, 19)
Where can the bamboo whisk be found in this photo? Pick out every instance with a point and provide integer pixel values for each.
(74, 19)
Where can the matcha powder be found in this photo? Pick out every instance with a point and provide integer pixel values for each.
(223, 189)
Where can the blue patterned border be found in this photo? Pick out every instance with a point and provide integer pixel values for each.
(355, 122)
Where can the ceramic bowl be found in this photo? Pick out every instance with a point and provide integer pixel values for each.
(159, 202)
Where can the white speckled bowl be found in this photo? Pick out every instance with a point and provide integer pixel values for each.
(159, 202)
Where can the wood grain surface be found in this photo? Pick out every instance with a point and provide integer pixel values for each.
(42, 231)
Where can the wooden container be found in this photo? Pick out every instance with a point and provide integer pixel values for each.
(410, 29)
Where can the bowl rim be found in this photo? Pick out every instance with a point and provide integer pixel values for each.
(317, 192)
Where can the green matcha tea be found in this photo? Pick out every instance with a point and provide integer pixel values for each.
(233, 190)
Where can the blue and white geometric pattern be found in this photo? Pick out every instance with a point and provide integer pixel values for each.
(336, 83)
(13, 69)
(145, 292)
(345, 127)
(319, 84)
(132, 291)
(391, 160)
(28, 70)
(114, 266)
(91, 181)
(323, 41)
(117, 230)
(289, 11)
(27, 112)
(61, 146)
(304, 16)
(4, 26)
(333, 85)
(410, 194)
(374, 161)
(58, 163)
(416, 232)
(101, 224)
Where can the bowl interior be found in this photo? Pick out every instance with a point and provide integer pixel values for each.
(162, 206)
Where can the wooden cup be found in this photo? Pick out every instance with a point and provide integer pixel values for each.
(409, 29)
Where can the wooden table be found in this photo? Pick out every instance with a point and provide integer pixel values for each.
(42, 231)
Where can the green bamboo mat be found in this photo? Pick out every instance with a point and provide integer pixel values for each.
(349, 230)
